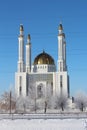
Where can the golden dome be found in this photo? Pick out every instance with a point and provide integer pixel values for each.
(44, 58)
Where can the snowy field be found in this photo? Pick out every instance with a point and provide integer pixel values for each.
(41, 124)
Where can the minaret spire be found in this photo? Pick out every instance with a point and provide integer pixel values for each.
(61, 49)
(21, 29)
(28, 54)
(21, 50)
(28, 39)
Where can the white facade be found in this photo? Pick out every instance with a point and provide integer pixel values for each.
(42, 74)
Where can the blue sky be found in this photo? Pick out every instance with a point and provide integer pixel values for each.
(41, 19)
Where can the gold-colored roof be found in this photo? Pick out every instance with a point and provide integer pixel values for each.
(60, 27)
(29, 37)
(44, 58)
(21, 28)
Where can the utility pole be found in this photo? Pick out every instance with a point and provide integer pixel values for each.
(45, 109)
(10, 100)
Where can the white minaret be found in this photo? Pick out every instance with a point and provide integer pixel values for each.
(28, 55)
(21, 50)
(61, 50)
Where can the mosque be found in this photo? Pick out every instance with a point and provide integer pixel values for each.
(42, 74)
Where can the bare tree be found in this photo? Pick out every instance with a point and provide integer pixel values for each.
(45, 108)
(48, 98)
(32, 96)
(53, 102)
(61, 102)
(41, 101)
(8, 101)
(21, 104)
(81, 100)
(29, 102)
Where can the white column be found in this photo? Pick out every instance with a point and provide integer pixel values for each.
(62, 68)
(64, 49)
(21, 50)
(61, 49)
(28, 55)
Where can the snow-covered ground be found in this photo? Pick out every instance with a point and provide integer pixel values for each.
(41, 124)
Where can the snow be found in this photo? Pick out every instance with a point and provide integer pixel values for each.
(43, 124)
